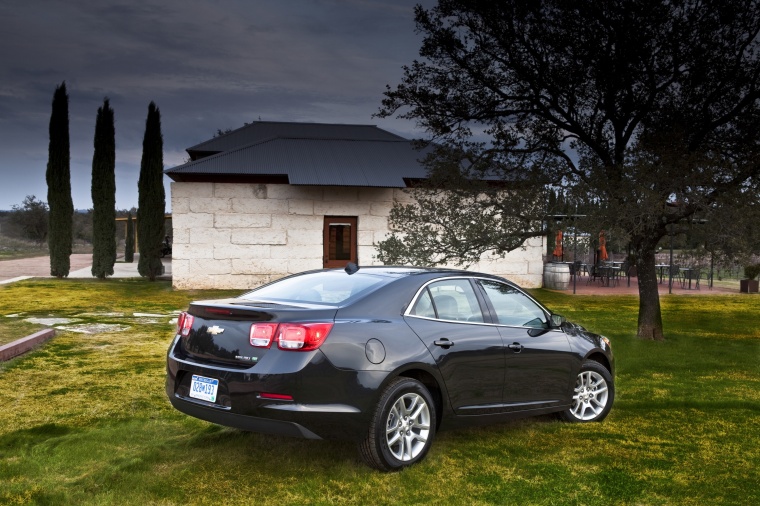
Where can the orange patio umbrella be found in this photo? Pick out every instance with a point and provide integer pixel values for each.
(558, 244)
(602, 247)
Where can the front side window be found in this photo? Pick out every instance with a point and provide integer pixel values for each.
(513, 307)
(450, 299)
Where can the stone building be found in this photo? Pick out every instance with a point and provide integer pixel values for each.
(271, 199)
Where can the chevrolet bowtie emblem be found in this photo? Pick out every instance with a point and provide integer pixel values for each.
(215, 330)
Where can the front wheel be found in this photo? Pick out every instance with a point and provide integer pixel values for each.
(402, 428)
(593, 394)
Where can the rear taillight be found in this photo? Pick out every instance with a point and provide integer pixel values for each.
(262, 334)
(184, 323)
(289, 336)
(302, 336)
(275, 397)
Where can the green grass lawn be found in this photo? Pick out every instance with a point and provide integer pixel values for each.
(12, 329)
(85, 420)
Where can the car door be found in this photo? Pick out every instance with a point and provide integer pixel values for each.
(448, 317)
(539, 361)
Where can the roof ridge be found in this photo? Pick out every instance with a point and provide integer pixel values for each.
(253, 124)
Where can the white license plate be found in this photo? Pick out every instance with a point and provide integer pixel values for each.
(204, 388)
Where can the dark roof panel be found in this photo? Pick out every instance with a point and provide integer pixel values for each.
(333, 162)
(259, 131)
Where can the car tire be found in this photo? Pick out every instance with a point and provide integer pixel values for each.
(402, 427)
(593, 394)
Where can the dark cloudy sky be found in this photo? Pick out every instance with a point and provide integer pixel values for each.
(208, 64)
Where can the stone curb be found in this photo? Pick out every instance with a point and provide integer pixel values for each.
(24, 344)
(13, 280)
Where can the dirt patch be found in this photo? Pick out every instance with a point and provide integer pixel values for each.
(39, 266)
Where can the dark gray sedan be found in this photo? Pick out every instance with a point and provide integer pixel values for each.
(385, 356)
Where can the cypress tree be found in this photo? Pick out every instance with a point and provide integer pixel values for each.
(129, 247)
(58, 176)
(151, 200)
(104, 194)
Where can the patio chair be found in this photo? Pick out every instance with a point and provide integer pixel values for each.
(675, 273)
(696, 273)
(576, 268)
(625, 269)
(706, 273)
(605, 274)
(593, 273)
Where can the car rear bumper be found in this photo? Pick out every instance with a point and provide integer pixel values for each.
(197, 409)
(328, 403)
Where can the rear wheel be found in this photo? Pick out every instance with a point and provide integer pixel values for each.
(402, 427)
(593, 394)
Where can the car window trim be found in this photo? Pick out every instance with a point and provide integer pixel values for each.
(547, 313)
(483, 310)
(487, 310)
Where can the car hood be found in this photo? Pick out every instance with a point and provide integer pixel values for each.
(575, 330)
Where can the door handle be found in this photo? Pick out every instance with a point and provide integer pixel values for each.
(516, 347)
(445, 343)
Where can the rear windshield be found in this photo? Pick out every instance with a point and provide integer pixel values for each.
(332, 287)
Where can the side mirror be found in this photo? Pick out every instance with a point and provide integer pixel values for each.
(558, 320)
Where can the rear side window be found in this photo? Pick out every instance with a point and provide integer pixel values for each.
(513, 307)
(424, 306)
(450, 299)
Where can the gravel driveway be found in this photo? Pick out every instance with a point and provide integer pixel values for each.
(39, 267)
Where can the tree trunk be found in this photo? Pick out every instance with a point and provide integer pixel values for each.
(650, 315)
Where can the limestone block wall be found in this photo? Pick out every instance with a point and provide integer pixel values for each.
(236, 235)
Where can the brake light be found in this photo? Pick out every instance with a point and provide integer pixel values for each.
(184, 323)
(302, 336)
(276, 397)
(262, 334)
(214, 310)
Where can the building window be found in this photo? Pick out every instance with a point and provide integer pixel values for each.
(339, 240)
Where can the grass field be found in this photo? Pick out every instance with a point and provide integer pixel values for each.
(13, 248)
(85, 420)
(12, 329)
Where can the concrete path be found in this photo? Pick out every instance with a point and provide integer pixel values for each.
(81, 265)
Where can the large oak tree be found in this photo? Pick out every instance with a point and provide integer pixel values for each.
(648, 108)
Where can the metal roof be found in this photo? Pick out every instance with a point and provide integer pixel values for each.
(316, 161)
(306, 154)
(259, 131)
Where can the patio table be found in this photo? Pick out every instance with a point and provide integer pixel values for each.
(687, 272)
(661, 268)
(609, 273)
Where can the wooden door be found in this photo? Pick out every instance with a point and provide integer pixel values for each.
(339, 241)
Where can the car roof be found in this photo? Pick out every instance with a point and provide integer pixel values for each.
(398, 271)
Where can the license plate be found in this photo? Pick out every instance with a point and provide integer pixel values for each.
(204, 388)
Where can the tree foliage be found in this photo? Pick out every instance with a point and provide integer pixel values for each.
(129, 246)
(151, 198)
(104, 193)
(648, 108)
(58, 176)
(457, 216)
(31, 217)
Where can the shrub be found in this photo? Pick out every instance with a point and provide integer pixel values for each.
(752, 271)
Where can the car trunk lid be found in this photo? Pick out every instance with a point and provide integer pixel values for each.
(221, 330)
